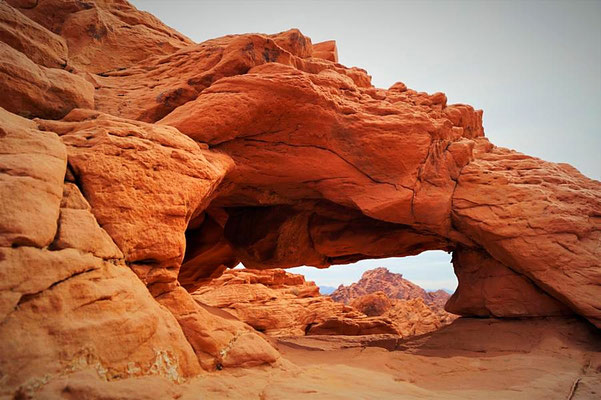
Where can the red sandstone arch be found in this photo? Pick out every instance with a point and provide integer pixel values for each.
(260, 148)
(329, 172)
(305, 162)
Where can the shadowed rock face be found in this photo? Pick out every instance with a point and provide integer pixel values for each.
(253, 148)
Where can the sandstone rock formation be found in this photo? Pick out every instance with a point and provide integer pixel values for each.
(392, 285)
(284, 304)
(142, 151)
(472, 359)
(376, 303)
(101, 35)
(32, 90)
(412, 310)
(33, 40)
(487, 288)
(409, 317)
(63, 279)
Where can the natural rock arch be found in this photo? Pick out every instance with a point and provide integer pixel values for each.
(329, 170)
(177, 160)
(304, 162)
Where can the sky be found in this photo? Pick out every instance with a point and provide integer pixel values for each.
(534, 67)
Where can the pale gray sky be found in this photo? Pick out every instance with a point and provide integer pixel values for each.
(534, 67)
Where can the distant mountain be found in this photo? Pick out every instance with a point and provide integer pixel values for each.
(393, 285)
(326, 290)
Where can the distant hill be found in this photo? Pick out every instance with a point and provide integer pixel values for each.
(392, 284)
(326, 290)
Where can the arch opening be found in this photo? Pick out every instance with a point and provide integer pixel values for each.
(322, 234)
(312, 233)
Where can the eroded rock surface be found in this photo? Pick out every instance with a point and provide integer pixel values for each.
(32, 90)
(103, 35)
(66, 292)
(30, 38)
(472, 359)
(487, 287)
(412, 310)
(255, 148)
(540, 219)
(283, 304)
(136, 176)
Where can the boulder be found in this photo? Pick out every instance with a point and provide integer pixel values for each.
(31, 90)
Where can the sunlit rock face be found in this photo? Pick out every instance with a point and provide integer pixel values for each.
(127, 147)
(330, 170)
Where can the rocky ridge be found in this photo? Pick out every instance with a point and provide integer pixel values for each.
(279, 303)
(391, 284)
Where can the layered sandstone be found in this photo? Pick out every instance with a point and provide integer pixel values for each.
(126, 147)
(283, 304)
(32, 90)
(473, 359)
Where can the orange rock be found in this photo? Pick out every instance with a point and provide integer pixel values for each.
(326, 50)
(335, 157)
(62, 308)
(36, 42)
(272, 301)
(36, 91)
(408, 317)
(104, 35)
(355, 156)
(87, 384)
(282, 304)
(488, 288)
(32, 172)
(207, 255)
(540, 220)
(266, 151)
(415, 317)
(174, 175)
(84, 285)
(217, 338)
(467, 360)
(140, 161)
(126, 94)
(64, 283)
(373, 304)
(354, 326)
(438, 298)
(78, 229)
(412, 310)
